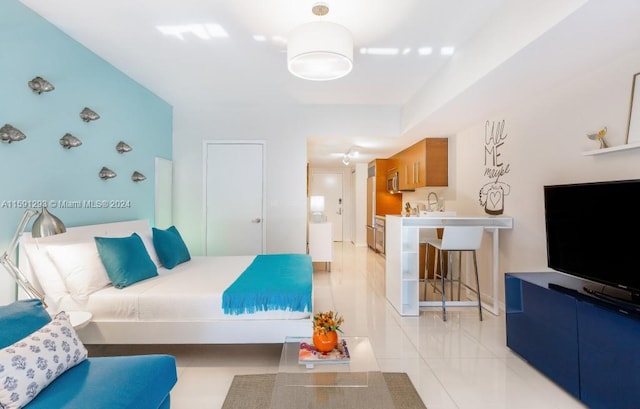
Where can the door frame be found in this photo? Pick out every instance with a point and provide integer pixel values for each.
(205, 157)
(347, 198)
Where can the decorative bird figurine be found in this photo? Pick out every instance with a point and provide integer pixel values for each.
(599, 137)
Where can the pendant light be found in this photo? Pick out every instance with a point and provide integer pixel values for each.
(320, 50)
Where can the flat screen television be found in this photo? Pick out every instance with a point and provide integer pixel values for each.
(593, 232)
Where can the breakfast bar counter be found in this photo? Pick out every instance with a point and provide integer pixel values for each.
(402, 258)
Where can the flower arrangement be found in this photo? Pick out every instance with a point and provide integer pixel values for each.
(324, 322)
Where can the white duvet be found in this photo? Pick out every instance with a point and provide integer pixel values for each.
(191, 291)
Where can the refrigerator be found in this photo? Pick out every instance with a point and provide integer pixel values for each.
(371, 210)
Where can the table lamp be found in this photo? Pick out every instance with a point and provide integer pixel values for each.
(45, 225)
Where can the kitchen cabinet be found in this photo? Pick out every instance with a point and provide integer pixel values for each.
(379, 201)
(423, 164)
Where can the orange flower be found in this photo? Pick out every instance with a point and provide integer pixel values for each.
(324, 322)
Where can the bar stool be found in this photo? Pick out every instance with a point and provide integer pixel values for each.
(427, 235)
(456, 239)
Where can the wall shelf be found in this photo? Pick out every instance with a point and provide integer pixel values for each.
(625, 147)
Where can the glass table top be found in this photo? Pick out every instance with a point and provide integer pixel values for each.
(353, 384)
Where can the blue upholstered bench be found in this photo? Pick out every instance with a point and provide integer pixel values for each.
(135, 382)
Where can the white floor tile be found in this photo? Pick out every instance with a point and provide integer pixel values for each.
(462, 363)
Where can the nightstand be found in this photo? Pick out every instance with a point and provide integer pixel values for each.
(79, 319)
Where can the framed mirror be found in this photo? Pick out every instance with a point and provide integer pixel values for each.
(633, 125)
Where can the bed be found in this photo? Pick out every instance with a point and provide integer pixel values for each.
(190, 303)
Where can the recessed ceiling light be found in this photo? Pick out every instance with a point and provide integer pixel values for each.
(259, 37)
(406, 51)
(379, 51)
(203, 31)
(425, 50)
(216, 30)
(447, 50)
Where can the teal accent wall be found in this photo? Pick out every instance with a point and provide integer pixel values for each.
(38, 168)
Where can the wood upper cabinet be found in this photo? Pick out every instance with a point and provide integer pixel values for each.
(425, 163)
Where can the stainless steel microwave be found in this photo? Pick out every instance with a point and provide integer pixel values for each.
(392, 182)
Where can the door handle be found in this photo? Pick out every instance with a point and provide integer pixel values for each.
(256, 220)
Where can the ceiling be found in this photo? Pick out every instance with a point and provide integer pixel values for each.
(184, 68)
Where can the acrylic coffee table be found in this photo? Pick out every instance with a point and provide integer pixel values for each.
(357, 384)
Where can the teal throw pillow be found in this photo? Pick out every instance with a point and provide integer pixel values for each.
(170, 247)
(125, 259)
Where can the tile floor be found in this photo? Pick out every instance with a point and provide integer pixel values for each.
(462, 363)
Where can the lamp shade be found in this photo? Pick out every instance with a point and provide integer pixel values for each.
(316, 204)
(320, 51)
(47, 225)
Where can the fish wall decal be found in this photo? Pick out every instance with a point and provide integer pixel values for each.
(69, 141)
(137, 176)
(89, 115)
(122, 147)
(40, 85)
(10, 134)
(106, 173)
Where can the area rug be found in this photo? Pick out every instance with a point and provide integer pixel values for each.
(255, 392)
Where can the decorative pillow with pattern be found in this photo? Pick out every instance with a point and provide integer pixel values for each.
(32, 363)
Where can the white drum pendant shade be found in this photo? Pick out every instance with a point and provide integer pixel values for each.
(320, 51)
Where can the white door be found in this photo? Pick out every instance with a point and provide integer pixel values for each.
(329, 185)
(234, 198)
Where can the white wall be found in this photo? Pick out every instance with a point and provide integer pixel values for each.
(544, 145)
(285, 130)
(546, 136)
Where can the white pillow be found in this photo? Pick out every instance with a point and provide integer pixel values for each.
(80, 267)
(147, 240)
(32, 363)
(46, 274)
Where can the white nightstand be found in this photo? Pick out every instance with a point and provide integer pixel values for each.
(79, 319)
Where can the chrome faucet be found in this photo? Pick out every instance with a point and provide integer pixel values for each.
(432, 206)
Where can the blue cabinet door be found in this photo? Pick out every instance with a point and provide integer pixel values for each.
(609, 358)
(542, 329)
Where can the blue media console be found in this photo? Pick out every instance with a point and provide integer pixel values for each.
(588, 346)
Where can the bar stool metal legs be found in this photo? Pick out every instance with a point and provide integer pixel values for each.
(475, 266)
(455, 239)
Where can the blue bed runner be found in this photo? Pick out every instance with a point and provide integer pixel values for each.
(271, 282)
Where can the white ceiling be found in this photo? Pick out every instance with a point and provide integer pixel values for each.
(239, 69)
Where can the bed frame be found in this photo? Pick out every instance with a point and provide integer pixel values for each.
(164, 332)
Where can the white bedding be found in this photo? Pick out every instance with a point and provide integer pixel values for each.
(190, 292)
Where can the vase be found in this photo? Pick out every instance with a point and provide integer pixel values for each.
(325, 342)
